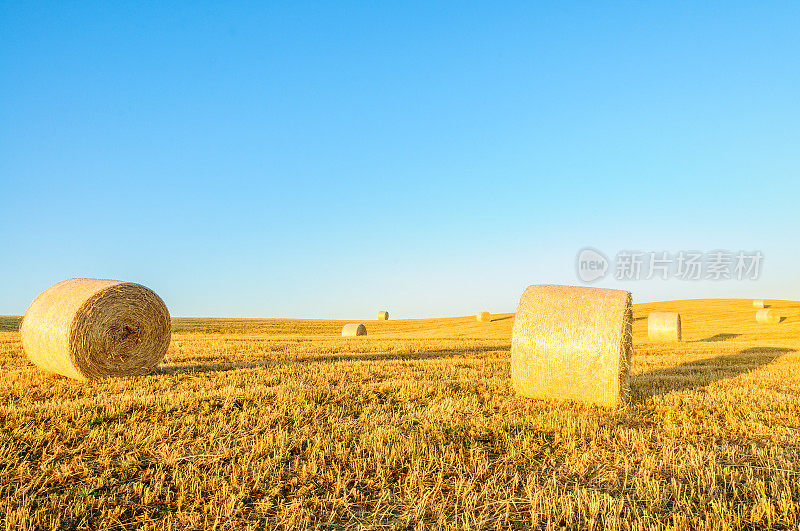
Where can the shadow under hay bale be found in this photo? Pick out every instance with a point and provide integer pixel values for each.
(10, 323)
(422, 355)
(702, 373)
(715, 338)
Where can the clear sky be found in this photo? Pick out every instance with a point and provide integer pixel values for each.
(330, 159)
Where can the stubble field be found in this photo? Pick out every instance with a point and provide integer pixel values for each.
(280, 423)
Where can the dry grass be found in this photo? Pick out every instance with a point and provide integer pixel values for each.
(285, 424)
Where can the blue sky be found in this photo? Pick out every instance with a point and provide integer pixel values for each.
(432, 158)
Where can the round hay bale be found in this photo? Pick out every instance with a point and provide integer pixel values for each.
(758, 303)
(572, 343)
(86, 328)
(354, 329)
(664, 326)
(484, 317)
(765, 316)
(383, 315)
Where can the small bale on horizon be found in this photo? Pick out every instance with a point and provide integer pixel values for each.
(383, 315)
(572, 343)
(484, 317)
(758, 303)
(766, 316)
(354, 329)
(664, 326)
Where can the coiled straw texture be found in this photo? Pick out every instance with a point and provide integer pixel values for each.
(484, 317)
(572, 343)
(87, 328)
(383, 315)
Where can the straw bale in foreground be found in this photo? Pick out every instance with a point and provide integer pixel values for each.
(574, 343)
(86, 328)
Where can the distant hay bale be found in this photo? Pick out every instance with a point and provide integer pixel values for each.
(758, 303)
(573, 343)
(354, 329)
(383, 315)
(765, 316)
(484, 317)
(86, 328)
(664, 326)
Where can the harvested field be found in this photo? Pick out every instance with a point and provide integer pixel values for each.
(284, 423)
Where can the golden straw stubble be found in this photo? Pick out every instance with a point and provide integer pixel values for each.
(572, 343)
(664, 326)
(86, 328)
